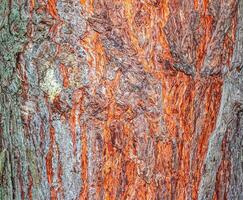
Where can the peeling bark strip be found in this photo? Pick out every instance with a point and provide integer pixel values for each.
(121, 99)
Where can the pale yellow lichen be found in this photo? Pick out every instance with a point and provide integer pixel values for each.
(51, 85)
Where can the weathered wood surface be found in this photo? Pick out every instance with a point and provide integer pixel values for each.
(121, 99)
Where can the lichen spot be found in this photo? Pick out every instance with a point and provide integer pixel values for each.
(51, 85)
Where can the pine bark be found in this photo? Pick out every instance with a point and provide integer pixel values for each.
(110, 99)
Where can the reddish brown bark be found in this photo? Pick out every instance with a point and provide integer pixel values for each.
(121, 99)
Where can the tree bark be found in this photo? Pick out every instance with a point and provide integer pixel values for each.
(121, 99)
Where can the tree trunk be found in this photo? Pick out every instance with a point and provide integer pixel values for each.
(110, 99)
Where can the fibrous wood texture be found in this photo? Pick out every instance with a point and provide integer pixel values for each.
(121, 99)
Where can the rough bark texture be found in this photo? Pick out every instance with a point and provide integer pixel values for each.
(121, 99)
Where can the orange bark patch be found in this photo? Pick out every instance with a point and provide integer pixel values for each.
(51, 7)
